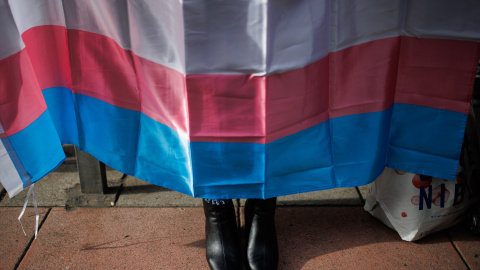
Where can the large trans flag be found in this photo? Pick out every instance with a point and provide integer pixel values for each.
(237, 99)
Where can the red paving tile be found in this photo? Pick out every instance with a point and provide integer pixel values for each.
(120, 238)
(468, 245)
(348, 237)
(12, 240)
(173, 238)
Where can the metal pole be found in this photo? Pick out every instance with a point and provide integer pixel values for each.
(93, 176)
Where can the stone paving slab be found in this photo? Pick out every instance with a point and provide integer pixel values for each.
(120, 238)
(337, 196)
(138, 193)
(52, 190)
(468, 245)
(49, 191)
(363, 191)
(12, 240)
(349, 238)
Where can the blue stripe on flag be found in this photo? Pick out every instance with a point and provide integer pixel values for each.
(19, 169)
(359, 144)
(300, 162)
(38, 148)
(133, 143)
(297, 163)
(163, 157)
(61, 103)
(426, 140)
(223, 168)
(126, 140)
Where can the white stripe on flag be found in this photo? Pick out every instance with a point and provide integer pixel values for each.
(151, 29)
(250, 36)
(225, 37)
(358, 21)
(11, 42)
(8, 173)
(31, 13)
(443, 19)
(157, 32)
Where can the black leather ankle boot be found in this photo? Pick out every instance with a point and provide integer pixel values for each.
(222, 245)
(262, 247)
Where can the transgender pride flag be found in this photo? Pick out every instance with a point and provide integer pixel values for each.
(239, 98)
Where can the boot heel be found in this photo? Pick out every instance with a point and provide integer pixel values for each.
(262, 247)
(222, 245)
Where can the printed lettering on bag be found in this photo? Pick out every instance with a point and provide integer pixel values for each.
(439, 194)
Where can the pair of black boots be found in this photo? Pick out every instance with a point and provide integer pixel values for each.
(222, 242)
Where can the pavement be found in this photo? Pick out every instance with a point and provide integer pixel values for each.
(150, 227)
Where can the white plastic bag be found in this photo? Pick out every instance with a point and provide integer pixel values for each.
(416, 205)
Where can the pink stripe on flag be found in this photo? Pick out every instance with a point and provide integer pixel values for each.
(21, 100)
(363, 77)
(437, 73)
(100, 68)
(297, 99)
(238, 108)
(359, 79)
(163, 92)
(47, 47)
(226, 107)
